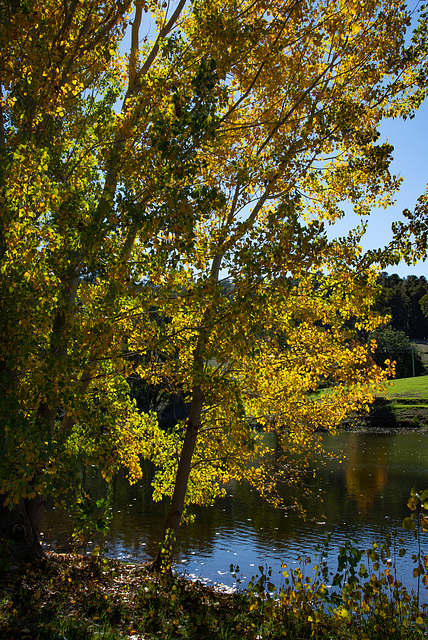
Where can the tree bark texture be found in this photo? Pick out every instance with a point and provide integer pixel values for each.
(20, 530)
(173, 519)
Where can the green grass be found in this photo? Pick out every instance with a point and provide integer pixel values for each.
(408, 388)
(404, 404)
(412, 388)
(413, 403)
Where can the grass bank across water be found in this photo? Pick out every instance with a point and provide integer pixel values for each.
(403, 405)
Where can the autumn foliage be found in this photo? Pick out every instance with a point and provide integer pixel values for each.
(137, 174)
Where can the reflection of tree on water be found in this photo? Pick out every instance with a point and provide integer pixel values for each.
(366, 471)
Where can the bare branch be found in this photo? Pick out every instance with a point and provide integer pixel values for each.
(162, 34)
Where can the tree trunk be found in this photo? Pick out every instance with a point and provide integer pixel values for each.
(20, 531)
(164, 557)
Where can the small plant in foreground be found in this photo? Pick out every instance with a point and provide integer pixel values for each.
(365, 594)
(91, 519)
(418, 523)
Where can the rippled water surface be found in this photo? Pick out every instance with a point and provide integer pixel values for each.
(362, 497)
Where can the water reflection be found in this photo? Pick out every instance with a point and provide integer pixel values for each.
(366, 471)
(362, 497)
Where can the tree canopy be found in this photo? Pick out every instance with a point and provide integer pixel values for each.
(132, 184)
(402, 299)
(393, 345)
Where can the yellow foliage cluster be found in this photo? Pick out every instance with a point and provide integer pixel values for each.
(162, 218)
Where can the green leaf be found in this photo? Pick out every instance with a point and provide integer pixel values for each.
(409, 524)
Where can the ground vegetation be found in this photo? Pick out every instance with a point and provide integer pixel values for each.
(116, 600)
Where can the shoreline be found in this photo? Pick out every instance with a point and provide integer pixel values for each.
(87, 598)
(401, 414)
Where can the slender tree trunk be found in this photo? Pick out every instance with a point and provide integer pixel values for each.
(173, 519)
(163, 559)
(20, 530)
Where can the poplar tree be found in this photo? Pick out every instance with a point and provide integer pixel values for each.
(132, 185)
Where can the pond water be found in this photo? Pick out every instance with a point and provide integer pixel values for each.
(362, 497)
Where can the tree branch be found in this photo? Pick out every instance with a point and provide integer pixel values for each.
(163, 32)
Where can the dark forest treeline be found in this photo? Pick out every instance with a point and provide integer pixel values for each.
(406, 300)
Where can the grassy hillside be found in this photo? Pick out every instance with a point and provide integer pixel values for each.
(409, 388)
(403, 405)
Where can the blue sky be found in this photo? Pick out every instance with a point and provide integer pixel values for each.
(410, 141)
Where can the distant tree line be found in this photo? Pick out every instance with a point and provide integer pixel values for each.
(395, 346)
(406, 300)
